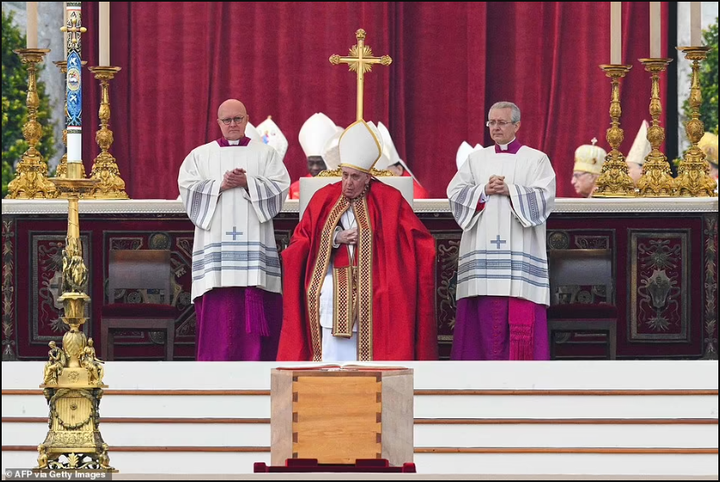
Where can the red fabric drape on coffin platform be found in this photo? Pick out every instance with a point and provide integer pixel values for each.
(451, 61)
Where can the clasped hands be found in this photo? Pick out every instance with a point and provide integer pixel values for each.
(235, 178)
(347, 236)
(496, 185)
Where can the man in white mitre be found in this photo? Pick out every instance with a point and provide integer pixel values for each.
(589, 160)
(638, 152)
(313, 136)
(271, 135)
(232, 188)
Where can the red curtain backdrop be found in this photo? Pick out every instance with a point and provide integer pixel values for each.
(451, 62)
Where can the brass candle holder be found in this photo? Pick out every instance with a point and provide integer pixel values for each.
(31, 179)
(656, 180)
(105, 170)
(62, 167)
(73, 375)
(614, 180)
(693, 172)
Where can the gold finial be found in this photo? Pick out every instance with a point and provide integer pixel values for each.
(360, 60)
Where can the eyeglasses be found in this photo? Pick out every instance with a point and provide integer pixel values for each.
(499, 123)
(237, 120)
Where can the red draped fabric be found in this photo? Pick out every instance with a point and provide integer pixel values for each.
(451, 62)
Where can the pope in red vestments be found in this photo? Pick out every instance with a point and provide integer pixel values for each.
(381, 260)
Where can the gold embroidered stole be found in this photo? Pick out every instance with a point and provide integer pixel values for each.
(345, 305)
(352, 284)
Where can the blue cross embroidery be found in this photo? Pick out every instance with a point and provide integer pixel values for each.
(235, 233)
(498, 241)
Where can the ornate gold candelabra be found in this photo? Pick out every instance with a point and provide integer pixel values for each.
(105, 170)
(614, 180)
(62, 167)
(73, 375)
(656, 180)
(693, 172)
(31, 180)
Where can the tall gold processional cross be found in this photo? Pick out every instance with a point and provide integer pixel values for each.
(360, 60)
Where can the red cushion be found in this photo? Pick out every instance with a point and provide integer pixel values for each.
(582, 311)
(138, 310)
(312, 465)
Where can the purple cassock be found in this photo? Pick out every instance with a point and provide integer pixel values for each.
(236, 323)
(500, 328)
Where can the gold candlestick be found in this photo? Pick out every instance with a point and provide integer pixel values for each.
(31, 180)
(693, 172)
(614, 180)
(105, 170)
(656, 180)
(62, 167)
(73, 375)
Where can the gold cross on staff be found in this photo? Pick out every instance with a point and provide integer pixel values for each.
(360, 60)
(73, 30)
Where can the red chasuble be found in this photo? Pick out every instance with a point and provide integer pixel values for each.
(395, 286)
(295, 189)
(419, 192)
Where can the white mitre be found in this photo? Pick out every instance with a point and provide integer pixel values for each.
(389, 151)
(388, 145)
(360, 146)
(641, 146)
(273, 136)
(463, 152)
(331, 152)
(252, 133)
(589, 158)
(315, 133)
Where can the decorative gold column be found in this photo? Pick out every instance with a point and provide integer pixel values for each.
(693, 172)
(614, 180)
(62, 167)
(110, 185)
(73, 375)
(656, 180)
(31, 179)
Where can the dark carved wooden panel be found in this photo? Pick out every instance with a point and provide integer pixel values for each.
(659, 281)
(677, 252)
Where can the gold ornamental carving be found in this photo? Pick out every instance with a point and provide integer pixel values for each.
(614, 180)
(656, 180)
(105, 170)
(694, 171)
(73, 375)
(31, 179)
(373, 172)
(710, 287)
